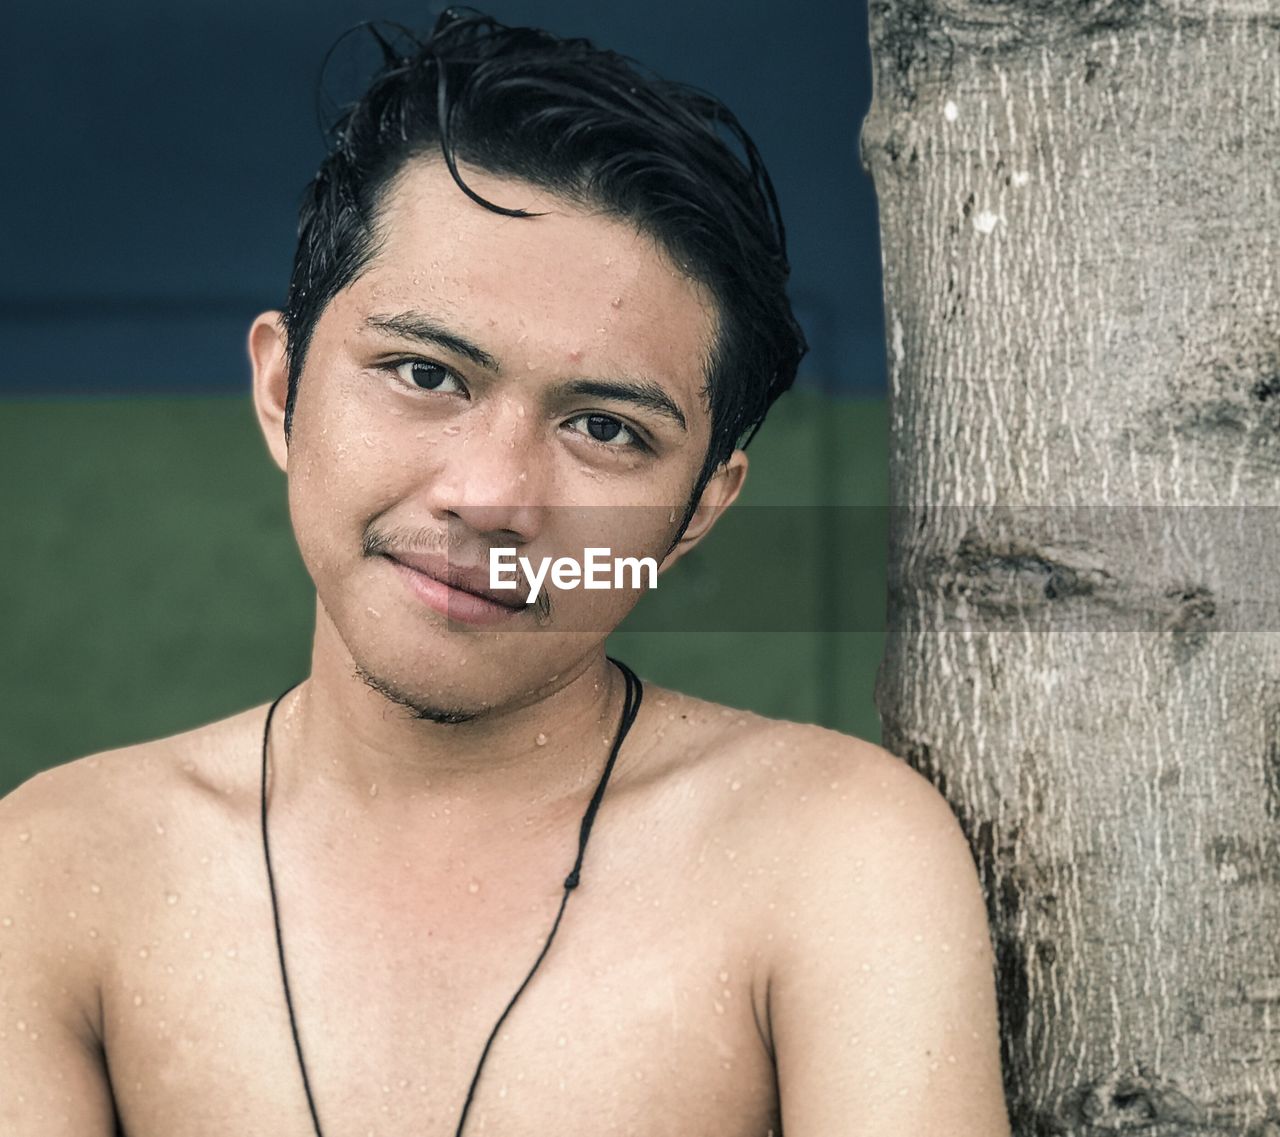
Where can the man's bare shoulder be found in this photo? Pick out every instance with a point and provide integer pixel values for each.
(85, 809)
(880, 1000)
(798, 773)
(90, 851)
(838, 824)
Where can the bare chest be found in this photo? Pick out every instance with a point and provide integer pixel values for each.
(645, 1016)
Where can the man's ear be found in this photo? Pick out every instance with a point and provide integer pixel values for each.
(718, 494)
(270, 382)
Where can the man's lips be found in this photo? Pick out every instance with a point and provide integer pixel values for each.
(472, 580)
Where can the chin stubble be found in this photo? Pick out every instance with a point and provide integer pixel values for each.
(420, 710)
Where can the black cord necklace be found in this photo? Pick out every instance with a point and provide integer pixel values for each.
(630, 708)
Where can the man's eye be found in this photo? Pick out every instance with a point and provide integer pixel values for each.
(608, 430)
(427, 376)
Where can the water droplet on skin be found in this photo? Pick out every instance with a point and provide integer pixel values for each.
(93, 933)
(735, 785)
(95, 887)
(71, 915)
(719, 1006)
(473, 887)
(159, 829)
(616, 302)
(374, 613)
(24, 836)
(22, 1026)
(232, 953)
(561, 1041)
(7, 921)
(137, 1000)
(519, 412)
(540, 739)
(373, 790)
(143, 953)
(171, 898)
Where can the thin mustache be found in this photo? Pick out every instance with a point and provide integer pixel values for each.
(378, 544)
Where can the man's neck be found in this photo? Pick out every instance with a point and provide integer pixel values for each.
(338, 737)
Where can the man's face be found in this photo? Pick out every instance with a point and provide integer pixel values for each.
(491, 382)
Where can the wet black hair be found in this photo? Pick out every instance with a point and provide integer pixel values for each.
(593, 127)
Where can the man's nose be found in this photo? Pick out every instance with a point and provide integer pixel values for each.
(494, 476)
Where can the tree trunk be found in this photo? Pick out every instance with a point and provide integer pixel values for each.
(1080, 214)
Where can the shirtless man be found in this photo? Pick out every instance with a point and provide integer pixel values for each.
(775, 927)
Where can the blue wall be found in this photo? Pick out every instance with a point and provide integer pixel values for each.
(155, 153)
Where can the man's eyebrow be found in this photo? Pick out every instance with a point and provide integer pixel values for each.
(425, 329)
(638, 392)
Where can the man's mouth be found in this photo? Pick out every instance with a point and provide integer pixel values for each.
(461, 592)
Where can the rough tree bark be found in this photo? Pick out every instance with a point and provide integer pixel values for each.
(1080, 213)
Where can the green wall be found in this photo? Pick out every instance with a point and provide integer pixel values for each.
(150, 581)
